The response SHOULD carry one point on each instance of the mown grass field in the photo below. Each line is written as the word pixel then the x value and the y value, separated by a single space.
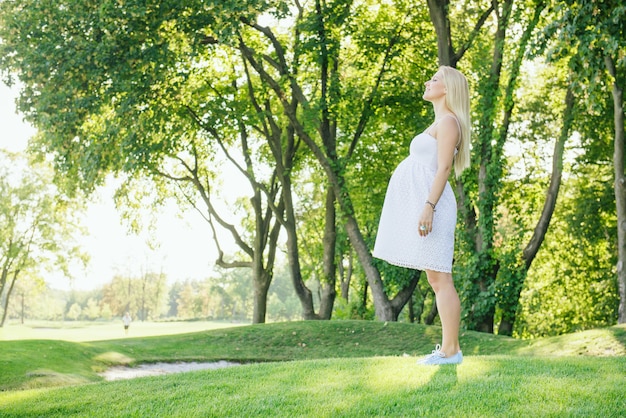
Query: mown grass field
pixel 94 331
pixel 320 369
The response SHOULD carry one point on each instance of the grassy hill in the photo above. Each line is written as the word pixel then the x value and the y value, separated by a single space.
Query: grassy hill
pixel 320 368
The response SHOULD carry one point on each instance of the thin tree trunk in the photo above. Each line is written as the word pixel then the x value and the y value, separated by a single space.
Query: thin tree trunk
pixel 404 295
pixel 419 305
pixel 620 186
pixel 552 194
pixel 328 132
pixel 430 318
pixel 3 279
pixel 364 295
pixel 293 254
pixel 327 297
pixel 8 297
pixel 345 275
pixel 411 309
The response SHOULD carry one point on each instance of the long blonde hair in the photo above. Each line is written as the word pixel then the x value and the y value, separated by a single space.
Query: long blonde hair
pixel 458 101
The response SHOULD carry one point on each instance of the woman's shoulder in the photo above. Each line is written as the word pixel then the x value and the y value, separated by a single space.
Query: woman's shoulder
pixel 449 120
pixel 448 126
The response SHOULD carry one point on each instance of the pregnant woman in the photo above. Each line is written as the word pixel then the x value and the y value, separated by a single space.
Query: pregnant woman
pixel 418 219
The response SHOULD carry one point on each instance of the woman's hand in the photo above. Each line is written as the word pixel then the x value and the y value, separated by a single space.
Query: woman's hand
pixel 425 223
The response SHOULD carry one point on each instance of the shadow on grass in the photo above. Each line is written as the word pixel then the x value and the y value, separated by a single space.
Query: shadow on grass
pixel 446 377
pixel 619 332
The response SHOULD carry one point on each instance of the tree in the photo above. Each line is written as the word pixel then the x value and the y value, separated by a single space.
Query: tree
pixel 26 291
pixel 74 312
pixel 37 225
pixel 151 291
pixel 92 310
pixel 572 286
pixel 133 72
pixel 516 265
pixel 143 296
pixel 596 32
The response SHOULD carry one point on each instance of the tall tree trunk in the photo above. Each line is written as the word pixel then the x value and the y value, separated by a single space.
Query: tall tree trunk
pixel 4 274
pixel 489 181
pixel 438 10
pixel 529 253
pixel 620 185
pixel 364 295
pixel 329 264
pixel 447 55
pixel 293 253
pixel 264 257
pixel 262 281
pixel 345 274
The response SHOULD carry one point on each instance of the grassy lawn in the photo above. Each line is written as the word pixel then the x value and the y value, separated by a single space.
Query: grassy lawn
pixel 320 368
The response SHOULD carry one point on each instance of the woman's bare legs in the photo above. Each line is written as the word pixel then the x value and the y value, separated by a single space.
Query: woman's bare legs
pixel 449 308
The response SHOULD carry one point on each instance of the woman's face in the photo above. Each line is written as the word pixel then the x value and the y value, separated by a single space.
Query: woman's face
pixel 435 88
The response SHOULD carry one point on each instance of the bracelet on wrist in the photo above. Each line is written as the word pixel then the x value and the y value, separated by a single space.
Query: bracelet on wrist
pixel 432 205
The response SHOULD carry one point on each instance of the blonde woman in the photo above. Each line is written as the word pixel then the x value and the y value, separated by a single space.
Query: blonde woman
pixel 418 219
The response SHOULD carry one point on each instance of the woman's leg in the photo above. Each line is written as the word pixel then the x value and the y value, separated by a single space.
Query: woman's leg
pixel 449 308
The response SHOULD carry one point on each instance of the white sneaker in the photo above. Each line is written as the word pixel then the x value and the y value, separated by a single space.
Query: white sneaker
pixel 438 357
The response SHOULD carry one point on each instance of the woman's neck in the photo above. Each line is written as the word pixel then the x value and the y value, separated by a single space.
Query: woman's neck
pixel 441 109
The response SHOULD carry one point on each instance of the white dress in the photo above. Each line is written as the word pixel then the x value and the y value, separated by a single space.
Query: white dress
pixel 398 241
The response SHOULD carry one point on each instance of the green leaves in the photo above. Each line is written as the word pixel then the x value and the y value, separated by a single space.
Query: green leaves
pixel 38 225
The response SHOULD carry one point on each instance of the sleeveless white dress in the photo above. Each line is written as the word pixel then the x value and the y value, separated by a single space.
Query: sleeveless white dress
pixel 398 241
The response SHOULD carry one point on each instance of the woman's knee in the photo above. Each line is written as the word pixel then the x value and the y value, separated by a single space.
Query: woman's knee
pixel 437 279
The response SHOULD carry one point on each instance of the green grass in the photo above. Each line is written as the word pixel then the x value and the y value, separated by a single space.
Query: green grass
pixel 94 331
pixel 320 368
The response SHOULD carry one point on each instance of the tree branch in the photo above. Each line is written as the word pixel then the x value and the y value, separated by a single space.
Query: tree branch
pixel 529 253
pixel 367 104
pixel 473 34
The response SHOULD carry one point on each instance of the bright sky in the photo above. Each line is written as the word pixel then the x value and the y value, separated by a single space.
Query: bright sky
pixel 186 250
